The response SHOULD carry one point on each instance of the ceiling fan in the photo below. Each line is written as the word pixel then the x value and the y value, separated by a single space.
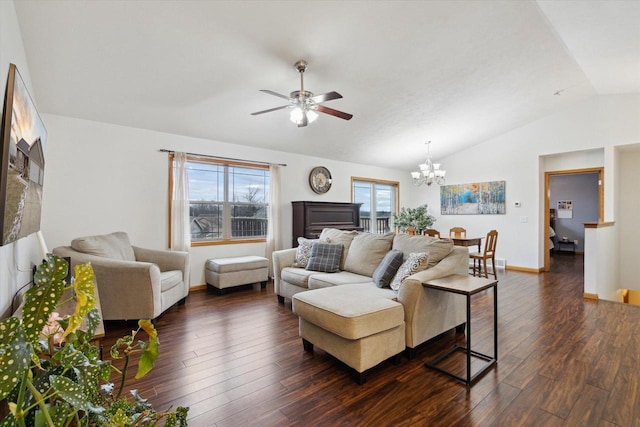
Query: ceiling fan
pixel 304 104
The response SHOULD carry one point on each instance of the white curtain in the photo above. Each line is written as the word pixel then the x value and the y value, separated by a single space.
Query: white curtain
pixel 180 232
pixel 274 232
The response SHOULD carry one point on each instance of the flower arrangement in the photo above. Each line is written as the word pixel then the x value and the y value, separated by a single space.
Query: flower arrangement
pixel 51 373
pixel 417 218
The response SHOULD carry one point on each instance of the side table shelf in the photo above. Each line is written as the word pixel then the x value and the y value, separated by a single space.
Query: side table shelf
pixel 566 246
pixel 468 286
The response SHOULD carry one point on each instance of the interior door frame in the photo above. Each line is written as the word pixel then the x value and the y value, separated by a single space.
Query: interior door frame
pixel 547 203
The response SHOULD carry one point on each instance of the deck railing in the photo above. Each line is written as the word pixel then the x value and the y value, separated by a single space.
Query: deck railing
pixel 381 226
pixel 208 227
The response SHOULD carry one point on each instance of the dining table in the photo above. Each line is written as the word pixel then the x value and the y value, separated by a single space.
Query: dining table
pixel 467 241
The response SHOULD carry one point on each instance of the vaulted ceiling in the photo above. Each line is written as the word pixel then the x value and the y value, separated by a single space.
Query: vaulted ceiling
pixel 453 72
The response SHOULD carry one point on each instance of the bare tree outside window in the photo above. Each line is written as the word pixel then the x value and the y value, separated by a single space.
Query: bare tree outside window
pixel 227 201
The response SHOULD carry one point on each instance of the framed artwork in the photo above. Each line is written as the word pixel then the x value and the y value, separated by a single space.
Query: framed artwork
pixel 477 198
pixel 22 162
pixel 565 209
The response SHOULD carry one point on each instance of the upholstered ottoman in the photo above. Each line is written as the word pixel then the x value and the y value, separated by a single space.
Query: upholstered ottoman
pixel 359 324
pixel 224 273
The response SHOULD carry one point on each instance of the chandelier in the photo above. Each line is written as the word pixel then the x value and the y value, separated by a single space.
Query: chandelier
pixel 429 172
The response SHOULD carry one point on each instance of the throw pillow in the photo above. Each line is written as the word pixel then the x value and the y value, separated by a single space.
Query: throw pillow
pixel 387 269
pixel 114 245
pixel 436 248
pixel 325 257
pixel 366 252
pixel 416 261
pixel 344 237
pixel 303 251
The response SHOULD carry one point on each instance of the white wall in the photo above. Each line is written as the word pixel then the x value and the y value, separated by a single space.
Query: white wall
pixel 102 178
pixel 17 259
pixel 629 218
pixel 518 158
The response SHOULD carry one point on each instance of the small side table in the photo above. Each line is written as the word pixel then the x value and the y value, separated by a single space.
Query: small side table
pixel 564 244
pixel 468 286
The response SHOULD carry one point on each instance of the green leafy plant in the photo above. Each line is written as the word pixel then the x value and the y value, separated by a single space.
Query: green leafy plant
pixel 418 218
pixel 50 372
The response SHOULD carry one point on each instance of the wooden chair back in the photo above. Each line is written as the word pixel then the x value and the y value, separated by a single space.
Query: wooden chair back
pixel 432 232
pixel 458 232
pixel 411 230
pixel 490 244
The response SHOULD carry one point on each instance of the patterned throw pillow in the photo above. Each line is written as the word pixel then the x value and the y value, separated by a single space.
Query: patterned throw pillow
pixel 387 269
pixel 303 251
pixel 416 261
pixel 325 257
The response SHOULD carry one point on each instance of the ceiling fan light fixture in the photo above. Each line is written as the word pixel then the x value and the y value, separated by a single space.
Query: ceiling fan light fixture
pixel 311 116
pixel 296 115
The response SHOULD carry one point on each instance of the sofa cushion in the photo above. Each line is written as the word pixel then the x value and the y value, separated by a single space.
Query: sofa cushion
pixel 333 235
pixel 296 276
pixel 350 311
pixel 366 252
pixel 416 261
pixel 387 268
pixel 436 248
pixel 325 280
pixel 325 257
pixel 170 279
pixel 303 251
pixel 114 246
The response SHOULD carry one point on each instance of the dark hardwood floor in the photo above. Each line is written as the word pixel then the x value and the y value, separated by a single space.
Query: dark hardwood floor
pixel 237 360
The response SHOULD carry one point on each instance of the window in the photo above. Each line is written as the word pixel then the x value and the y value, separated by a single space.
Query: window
pixel 379 202
pixel 227 201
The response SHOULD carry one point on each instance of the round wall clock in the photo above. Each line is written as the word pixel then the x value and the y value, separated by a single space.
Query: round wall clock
pixel 320 179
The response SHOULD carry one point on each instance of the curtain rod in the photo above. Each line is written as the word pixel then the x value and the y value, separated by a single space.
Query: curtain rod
pixel 164 150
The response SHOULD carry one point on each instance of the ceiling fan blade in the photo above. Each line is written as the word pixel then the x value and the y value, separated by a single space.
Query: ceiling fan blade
pixel 270 92
pixel 334 113
pixel 270 110
pixel 325 97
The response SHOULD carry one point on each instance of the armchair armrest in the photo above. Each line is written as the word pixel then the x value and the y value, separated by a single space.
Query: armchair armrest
pixel 166 260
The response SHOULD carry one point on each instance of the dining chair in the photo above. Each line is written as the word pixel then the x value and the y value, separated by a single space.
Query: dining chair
pixel 411 230
pixel 432 232
pixel 480 258
pixel 458 232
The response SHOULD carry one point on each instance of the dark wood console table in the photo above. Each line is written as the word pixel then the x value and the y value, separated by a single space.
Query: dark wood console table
pixel 309 218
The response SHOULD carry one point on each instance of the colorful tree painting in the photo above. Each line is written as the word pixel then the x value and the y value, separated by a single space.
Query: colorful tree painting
pixel 478 198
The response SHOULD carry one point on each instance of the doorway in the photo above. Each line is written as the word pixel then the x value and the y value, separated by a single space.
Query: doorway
pixel 563 209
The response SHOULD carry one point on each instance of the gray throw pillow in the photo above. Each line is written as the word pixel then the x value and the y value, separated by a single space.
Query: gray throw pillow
pixel 387 268
pixel 325 257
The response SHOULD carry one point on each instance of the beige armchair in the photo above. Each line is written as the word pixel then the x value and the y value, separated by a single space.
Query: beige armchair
pixel 133 283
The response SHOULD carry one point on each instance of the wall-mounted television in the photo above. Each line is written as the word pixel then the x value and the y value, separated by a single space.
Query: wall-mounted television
pixel 24 139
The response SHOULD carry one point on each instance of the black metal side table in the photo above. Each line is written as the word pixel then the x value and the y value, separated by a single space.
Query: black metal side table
pixel 468 286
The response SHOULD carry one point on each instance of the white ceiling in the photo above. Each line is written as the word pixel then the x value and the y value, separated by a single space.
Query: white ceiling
pixel 454 72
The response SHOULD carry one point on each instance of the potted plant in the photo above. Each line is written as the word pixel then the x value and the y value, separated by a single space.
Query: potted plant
pixel 418 218
pixel 51 373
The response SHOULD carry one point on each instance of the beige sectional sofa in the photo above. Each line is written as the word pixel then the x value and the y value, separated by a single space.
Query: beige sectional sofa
pixel 427 312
